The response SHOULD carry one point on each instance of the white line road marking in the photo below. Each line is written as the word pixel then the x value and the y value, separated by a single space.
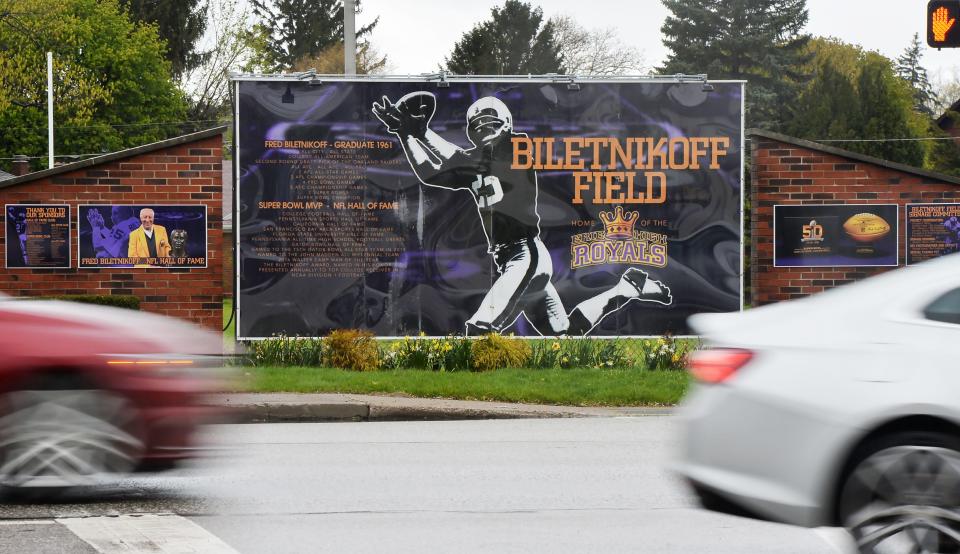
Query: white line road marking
pixel 838 538
pixel 163 533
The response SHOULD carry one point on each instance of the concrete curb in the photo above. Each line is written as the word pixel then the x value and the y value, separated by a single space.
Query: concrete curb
pixel 292 407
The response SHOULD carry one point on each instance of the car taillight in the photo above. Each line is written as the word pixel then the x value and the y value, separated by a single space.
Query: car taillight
pixel 716 365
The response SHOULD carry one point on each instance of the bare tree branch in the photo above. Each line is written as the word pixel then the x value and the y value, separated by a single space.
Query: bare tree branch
pixel 208 85
pixel 595 51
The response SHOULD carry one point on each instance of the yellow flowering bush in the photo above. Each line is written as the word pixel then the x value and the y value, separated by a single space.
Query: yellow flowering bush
pixel 352 349
pixel 493 351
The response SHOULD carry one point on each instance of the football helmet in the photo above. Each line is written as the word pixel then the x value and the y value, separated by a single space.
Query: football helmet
pixel 488 119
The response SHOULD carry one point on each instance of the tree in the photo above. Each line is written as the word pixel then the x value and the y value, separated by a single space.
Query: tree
pixel 515 40
pixel 330 61
pixel 909 69
pixel 854 96
pixel 946 86
pixel 594 51
pixel 828 108
pixel 112 85
pixel 208 85
pixel 886 111
pixel 760 41
pixel 295 30
pixel 180 24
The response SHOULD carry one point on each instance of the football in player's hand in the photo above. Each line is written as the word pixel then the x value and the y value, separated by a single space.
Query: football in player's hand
pixel 410 114
pixel 418 104
pixel 866 227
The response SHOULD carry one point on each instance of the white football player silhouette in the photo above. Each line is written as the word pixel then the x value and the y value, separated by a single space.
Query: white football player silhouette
pixel 506 200
pixel 111 242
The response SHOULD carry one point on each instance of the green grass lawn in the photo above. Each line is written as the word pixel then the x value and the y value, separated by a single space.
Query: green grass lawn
pixel 574 387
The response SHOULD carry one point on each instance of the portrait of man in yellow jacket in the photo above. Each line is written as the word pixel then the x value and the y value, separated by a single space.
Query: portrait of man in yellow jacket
pixel 148 240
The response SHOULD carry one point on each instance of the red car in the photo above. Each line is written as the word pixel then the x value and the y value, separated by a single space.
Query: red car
pixel 88 392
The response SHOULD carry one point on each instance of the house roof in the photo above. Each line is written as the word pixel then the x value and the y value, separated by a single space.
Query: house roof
pixel 945 121
pixel 852 155
pixel 5 176
pixel 113 156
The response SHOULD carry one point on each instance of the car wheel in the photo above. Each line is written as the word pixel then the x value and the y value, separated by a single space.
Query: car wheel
pixel 903 495
pixel 59 437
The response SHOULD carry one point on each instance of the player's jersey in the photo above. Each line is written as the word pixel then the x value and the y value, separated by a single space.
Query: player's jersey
pixel 112 243
pixel 506 198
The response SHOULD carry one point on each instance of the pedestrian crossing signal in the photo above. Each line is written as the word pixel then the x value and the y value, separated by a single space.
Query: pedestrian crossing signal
pixel 943 29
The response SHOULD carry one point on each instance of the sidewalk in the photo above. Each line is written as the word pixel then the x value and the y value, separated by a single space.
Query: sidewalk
pixel 290 407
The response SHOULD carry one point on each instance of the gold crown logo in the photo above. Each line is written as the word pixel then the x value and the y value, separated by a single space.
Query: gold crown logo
pixel 618 224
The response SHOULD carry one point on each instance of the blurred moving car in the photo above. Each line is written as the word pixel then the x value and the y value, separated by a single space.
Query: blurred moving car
pixel 89 392
pixel 842 408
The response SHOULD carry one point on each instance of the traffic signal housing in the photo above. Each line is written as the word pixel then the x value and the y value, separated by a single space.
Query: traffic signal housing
pixel 943 23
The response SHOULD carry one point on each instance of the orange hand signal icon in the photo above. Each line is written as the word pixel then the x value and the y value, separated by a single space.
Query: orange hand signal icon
pixel 941 24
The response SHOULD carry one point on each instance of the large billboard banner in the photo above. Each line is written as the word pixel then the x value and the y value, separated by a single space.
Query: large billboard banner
pixel 517 206
pixel 835 235
pixel 134 235
pixel 38 235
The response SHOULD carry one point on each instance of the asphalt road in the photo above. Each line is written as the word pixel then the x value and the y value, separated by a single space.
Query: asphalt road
pixel 552 485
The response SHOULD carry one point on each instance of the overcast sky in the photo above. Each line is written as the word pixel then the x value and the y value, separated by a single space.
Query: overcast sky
pixel 416 35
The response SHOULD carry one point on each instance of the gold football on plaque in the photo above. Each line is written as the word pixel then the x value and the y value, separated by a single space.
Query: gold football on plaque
pixel 866 227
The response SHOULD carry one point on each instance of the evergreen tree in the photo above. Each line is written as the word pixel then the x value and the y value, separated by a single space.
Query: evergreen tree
pixel 760 41
pixel 828 108
pixel 515 40
pixel 180 24
pixel 294 30
pixel 909 69
pixel 886 112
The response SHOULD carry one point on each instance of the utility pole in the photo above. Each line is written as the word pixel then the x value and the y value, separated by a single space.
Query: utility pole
pixel 50 109
pixel 349 37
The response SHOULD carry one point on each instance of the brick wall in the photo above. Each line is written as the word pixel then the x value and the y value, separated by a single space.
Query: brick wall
pixel 792 171
pixel 178 171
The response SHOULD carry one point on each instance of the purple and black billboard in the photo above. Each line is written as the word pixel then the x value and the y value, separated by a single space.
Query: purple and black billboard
pixel 512 206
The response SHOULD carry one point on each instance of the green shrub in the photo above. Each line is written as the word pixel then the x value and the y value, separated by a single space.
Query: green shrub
pixel 352 349
pixel 116 300
pixel 457 354
pixel 545 353
pixel 286 351
pixel 581 352
pixel 493 351
pixel 442 354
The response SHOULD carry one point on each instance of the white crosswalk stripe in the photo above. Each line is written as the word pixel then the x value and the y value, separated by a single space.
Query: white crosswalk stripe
pixel 156 533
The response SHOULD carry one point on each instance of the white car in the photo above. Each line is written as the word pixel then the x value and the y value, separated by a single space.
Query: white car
pixel 842 408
